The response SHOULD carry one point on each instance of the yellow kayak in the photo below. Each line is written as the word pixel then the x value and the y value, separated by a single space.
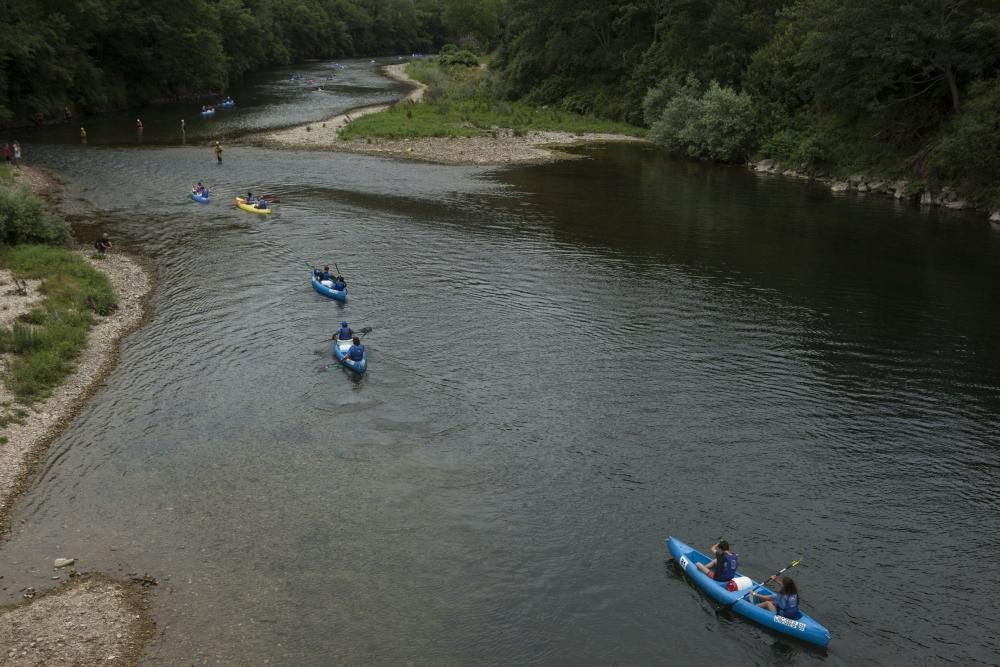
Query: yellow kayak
pixel 242 203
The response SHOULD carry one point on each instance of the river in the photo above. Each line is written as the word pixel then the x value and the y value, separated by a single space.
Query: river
pixel 568 362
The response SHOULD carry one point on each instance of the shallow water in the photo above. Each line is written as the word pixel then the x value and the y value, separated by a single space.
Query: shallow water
pixel 569 362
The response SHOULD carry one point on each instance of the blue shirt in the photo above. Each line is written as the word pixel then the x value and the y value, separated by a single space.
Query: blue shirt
pixel 357 352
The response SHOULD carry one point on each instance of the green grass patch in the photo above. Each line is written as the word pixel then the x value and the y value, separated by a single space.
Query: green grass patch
pixel 462 102
pixel 48 340
pixel 6 175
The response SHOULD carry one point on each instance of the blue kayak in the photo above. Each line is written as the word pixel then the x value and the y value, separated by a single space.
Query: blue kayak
pixel 802 628
pixel 339 295
pixel 340 350
pixel 227 104
pixel 201 199
pixel 208 112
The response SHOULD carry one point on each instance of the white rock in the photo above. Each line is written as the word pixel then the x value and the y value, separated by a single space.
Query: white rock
pixel 63 562
pixel 926 199
pixel 957 204
pixel 840 186
pixel 995 215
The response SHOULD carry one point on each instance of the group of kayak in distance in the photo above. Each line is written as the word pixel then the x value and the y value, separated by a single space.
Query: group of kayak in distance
pixel 262 204
pixel 226 103
pixel 718 576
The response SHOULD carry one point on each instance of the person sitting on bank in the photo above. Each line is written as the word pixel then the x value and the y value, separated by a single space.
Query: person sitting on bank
pixel 344 332
pixel 357 351
pixel 784 603
pixel 723 567
pixel 339 284
pixel 102 245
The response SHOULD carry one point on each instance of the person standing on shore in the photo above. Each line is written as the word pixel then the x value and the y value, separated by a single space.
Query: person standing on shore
pixel 83 136
pixel 218 152
pixel 6 153
pixel 17 154
pixel 138 124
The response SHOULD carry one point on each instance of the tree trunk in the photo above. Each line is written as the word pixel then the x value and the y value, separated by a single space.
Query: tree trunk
pixel 949 74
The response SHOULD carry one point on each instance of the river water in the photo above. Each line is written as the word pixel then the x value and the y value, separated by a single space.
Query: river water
pixel 568 362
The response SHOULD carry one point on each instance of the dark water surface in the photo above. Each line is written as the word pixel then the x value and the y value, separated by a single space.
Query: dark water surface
pixel 568 363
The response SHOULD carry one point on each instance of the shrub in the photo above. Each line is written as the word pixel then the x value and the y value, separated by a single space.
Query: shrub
pixel 23 219
pixel 459 57
pixel 719 124
pixel 969 150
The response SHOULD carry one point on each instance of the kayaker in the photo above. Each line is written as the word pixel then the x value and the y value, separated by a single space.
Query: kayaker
pixel 262 203
pixel 723 567
pixel 357 351
pixel 218 152
pixel 102 245
pixel 249 199
pixel 324 275
pixel 345 332
pixel 784 603
pixel 339 284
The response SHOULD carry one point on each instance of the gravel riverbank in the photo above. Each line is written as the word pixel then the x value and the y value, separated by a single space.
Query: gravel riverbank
pixel 496 148
pixel 90 619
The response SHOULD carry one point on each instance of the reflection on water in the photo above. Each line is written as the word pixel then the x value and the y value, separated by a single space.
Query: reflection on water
pixel 568 362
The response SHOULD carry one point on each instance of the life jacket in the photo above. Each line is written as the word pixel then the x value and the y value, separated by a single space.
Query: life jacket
pixel 788 605
pixel 340 286
pixel 345 333
pixel 324 275
pixel 725 566
pixel 357 352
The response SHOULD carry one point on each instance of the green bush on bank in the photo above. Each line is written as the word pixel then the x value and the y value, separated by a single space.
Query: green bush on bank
pixel 24 219
pixel 463 102
pixel 46 342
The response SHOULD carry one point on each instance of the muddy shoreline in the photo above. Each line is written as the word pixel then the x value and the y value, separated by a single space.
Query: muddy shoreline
pixel 90 618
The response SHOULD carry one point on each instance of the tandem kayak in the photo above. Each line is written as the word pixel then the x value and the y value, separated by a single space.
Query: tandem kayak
pixel 242 203
pixel 208 112
pixel 340 349
pixel 802 628
pixel 201 199
pixel 339 295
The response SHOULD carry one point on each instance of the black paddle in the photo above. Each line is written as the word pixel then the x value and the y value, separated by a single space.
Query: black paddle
pixel 773 577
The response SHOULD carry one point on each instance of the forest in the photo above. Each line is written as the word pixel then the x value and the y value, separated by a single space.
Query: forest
pixel 834 86
pixel 898 88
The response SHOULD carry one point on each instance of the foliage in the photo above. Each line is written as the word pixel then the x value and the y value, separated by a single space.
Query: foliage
pixel 968 154
pixel 715 123
pixel 459 57
pixel 93 55
pixel 463 102
pixel 46 345
pixel 24 219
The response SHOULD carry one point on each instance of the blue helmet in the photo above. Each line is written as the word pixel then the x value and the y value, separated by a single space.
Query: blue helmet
pixel 343 324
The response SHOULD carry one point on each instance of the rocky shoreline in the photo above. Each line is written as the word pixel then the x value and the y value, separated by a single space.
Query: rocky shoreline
pixel 91 618
pixel 497 147
pixel 945 196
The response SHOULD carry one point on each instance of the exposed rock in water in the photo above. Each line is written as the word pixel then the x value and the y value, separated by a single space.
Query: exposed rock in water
pixel 63 562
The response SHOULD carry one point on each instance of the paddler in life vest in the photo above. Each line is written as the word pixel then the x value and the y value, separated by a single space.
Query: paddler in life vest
pixel 344 332
pixel 323 275
pixel 339 284
pixel 784 603
pixel 357 351
pixel 723 567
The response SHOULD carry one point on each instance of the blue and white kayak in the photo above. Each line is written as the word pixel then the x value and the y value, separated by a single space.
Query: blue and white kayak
pixel 227 104
pixel 340 350
pixel 201 199
pixel 802 628
pixel 330 293
pixel 208 112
